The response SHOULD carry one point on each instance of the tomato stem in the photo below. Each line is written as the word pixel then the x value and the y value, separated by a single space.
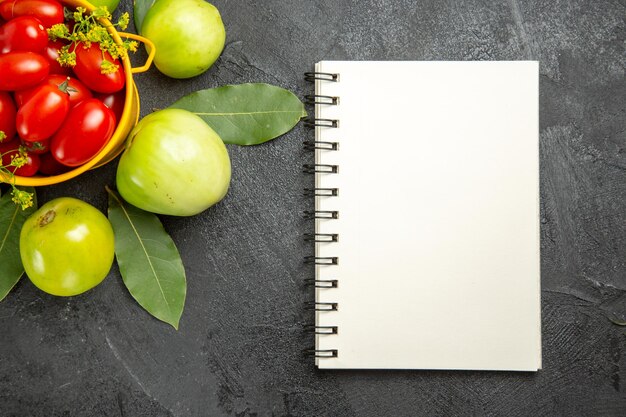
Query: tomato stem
pixel 65 86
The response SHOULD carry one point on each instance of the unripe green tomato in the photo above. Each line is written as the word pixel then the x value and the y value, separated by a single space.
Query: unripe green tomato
pixel 188 35
pixel 110 4
pixel 174 164
pixel 66 247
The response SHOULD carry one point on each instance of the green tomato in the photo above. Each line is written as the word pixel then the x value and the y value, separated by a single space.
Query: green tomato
pixel 188 36
pixel 110 4
pixel 174 164
pixel 66 247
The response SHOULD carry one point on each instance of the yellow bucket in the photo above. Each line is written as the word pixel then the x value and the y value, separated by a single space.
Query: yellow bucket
pixel 129 118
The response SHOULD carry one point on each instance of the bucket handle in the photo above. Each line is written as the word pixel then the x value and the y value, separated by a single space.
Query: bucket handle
pixel 150 47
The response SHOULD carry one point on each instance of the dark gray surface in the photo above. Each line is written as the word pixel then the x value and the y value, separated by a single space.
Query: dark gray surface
pixel 238 350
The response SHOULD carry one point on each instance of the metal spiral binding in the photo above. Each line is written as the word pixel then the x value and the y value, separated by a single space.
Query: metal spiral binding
pixel 317 306
pixel 321 192
pixel 320 214
pixel 311 145
pixel 324 76
pixel 321 353
pixel 321 260
pixel 322 168
pixel 315 122
pixel 321 283
pixel 321 329
pixel 318 99
pixel 321 238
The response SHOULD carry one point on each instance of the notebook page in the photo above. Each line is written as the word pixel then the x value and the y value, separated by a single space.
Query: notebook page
pixel 438 201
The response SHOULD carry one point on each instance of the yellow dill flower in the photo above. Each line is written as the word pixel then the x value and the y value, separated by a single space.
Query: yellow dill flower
pixel 58 31
pixel 107 67
pixel 88 30
pixel 98 34
pixel 78 14
pixel 131 45
pixel 20 160
pixel 66 58
pixel 123 21
pixel 101 12
pixel 22 198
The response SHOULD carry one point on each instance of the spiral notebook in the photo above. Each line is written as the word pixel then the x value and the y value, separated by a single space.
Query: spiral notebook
pixel 426 215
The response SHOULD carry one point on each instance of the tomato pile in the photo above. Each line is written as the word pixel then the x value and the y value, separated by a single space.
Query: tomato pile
pixel 61 90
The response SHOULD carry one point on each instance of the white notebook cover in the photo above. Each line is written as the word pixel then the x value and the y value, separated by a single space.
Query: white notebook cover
pixel 438 225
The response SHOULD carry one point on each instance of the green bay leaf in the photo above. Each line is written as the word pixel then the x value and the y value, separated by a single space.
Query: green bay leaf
pixel 12 217
pixel 246 114
pixel 140 9
pixel 149 261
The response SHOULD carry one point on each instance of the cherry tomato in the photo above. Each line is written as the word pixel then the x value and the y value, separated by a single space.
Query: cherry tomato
pixel 13 140
pixel 77 90
pixel 39 147
pixel 51 53
pixel 6 9
pixel 50 166
pixel 6 147
pixel 49 12
pixel 20 70
pixel 7 116
pixel 114 101
pixel 24 33
pixel 10 150
pixel 43 114
pixel 85 131
pixel 87 69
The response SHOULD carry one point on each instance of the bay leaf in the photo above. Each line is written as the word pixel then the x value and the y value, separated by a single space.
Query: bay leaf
pixel 140 9
pixel 245 114
pixel 149 261
pixel 12 217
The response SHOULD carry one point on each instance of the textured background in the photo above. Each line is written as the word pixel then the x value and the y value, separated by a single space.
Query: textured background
pixel 238 350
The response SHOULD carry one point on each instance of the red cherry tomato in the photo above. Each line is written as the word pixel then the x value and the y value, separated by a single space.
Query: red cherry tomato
pixel 85 131
pixel 11 150
pixel 114 101
pixel 77 90
pixel 51 53
pixel 13 140
pixel 20 70
pixel 39 147
pixel 50 166
pixel 49 12
pixel 6 9
pixel 88 70
pixel 7 116
pixel 43 114
pixel 24 33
